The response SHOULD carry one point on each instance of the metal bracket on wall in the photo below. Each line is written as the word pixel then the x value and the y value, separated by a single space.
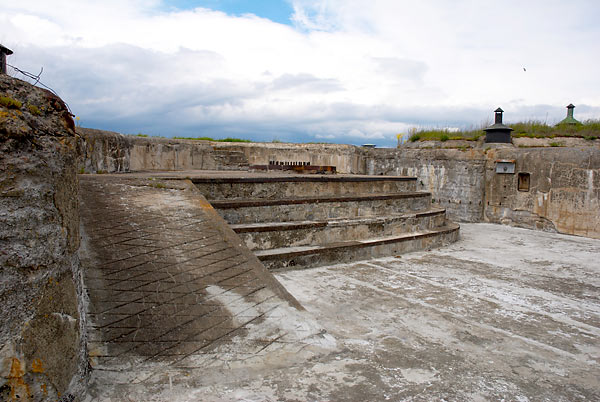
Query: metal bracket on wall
pixel 505 166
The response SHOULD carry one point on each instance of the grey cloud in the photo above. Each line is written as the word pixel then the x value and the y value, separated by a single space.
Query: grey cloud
pixel 124 80
pixel 129 89
pixel 306 83
pixel 341 123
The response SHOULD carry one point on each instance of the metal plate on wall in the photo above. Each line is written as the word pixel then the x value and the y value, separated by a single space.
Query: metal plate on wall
pixel 505 167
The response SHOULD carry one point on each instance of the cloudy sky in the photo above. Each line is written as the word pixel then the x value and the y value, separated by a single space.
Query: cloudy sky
pixel 344 71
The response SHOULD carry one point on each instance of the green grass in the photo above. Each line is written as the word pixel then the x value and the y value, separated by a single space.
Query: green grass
pixel 589 129
pixel 445 135
pixel 194 138
pixel 212 139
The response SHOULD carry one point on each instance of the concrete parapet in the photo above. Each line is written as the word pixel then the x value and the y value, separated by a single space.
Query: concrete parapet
pixel 43 348
pixel 108 152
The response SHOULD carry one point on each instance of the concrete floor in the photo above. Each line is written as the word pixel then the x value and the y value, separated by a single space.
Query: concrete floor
pixel 503 314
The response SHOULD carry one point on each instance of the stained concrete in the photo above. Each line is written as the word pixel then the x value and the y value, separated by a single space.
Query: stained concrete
pixel 173 294
pixel 503 314
pixel 41 343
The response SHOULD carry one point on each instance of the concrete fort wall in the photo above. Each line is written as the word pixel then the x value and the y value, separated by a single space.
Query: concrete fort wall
pixel 455 178
pixel 551 189
pixel 563 193
pixel 42 341
pixel 105 151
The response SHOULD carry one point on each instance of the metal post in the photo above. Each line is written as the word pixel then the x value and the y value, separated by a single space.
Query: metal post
pixel 4 51
pixel 570 110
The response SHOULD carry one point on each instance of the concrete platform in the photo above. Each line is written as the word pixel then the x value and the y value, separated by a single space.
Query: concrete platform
pixel 503 314
pixel 171 288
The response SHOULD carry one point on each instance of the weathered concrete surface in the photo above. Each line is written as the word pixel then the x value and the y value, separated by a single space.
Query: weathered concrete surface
pixel 263 236
pixel 307 221
pixel 563 193
pixel 285 185
pixel 455 178
pixel 113 152
pixel 320 208
pixel 359 249
pixel 41 344
pixel 572 142
pixel 457 173
pixel 174 296
pixel 503 314
pixel 107 151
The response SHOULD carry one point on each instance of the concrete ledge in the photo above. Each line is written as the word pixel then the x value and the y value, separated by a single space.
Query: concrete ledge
pixel 320 208
pixel 279 186
pixel 271 179
pixel 269 235
pixel 227 204
pixel 278 226
pixel 312 256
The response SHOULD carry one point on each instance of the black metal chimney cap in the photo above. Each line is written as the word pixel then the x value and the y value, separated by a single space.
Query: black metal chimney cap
pixel 5 50
pixel 571 106
pixel 498 125
pixel 498 132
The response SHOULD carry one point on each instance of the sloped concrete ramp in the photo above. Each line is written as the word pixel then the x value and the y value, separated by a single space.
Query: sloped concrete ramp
pixel 173 293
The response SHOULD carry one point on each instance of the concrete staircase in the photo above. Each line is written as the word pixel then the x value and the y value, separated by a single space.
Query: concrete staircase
pixel 307 221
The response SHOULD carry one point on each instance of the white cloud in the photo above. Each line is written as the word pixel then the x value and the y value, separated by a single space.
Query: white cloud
pixel 347 69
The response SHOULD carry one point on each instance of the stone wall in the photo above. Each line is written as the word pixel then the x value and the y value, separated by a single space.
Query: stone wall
pixel 42 355
pixel 563 191
pixel 344 157
pixel 564 183
pixel 106 151
pixel 455 178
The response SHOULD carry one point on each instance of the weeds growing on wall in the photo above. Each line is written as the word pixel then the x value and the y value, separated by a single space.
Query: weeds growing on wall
pixel 10 103
pixel 589 129
pixel 445 135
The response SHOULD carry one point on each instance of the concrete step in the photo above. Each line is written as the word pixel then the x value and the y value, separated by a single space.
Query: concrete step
pixel 268 235
pixel 228 188
pixel 340 252
pixel 320 207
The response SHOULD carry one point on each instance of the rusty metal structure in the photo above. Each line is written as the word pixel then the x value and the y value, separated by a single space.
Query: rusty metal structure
pixel 297 167
pixel 4 51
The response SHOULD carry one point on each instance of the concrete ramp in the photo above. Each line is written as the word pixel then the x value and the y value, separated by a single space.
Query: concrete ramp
pixel 173 291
